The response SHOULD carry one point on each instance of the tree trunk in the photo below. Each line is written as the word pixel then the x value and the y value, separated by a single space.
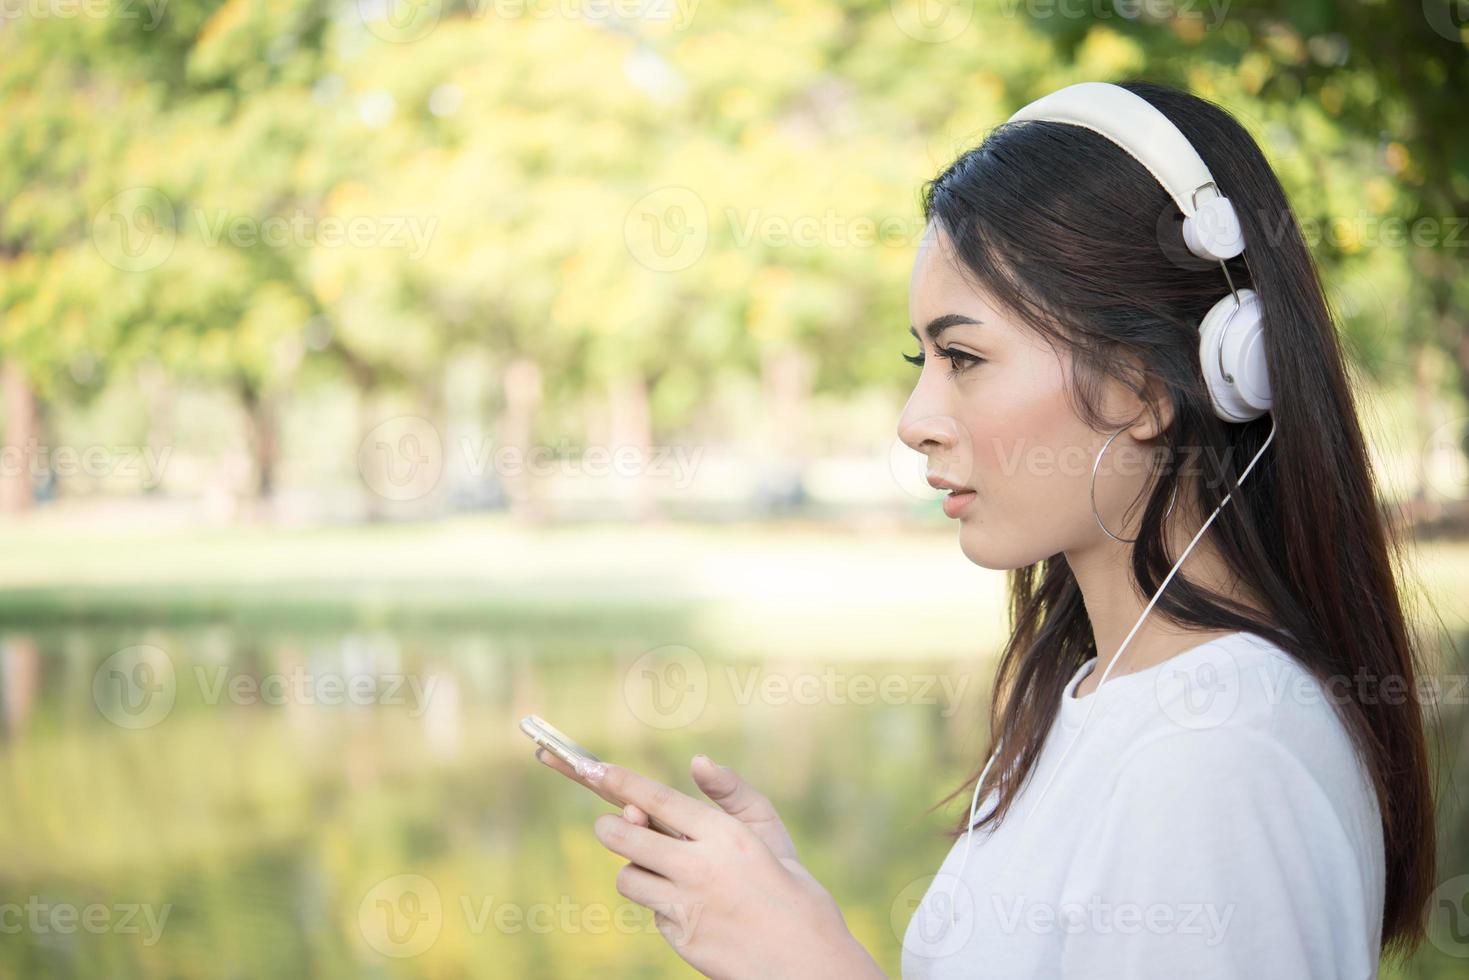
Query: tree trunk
pixel 522 381
pixel 16 487
pixel 786 377
pixel 368 463
pixel 260 417
pixel 630 447
pixel 153 380
pixel 1423 506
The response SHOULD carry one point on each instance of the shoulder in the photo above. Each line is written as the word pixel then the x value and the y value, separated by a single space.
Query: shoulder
pixel 1241 786
pixel 1239 726
pixel 1252 696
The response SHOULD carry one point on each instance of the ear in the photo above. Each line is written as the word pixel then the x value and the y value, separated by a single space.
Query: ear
pixel 1154 412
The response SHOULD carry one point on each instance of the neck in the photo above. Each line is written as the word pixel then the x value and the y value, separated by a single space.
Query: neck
pixel 1113 601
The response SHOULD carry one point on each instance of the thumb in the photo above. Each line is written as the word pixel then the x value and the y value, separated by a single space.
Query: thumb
pixel 734 796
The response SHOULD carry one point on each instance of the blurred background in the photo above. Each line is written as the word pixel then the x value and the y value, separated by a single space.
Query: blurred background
pixel 375 373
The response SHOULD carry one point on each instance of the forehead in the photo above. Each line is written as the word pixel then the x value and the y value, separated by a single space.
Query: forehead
pixel 939 283
pixel 942 284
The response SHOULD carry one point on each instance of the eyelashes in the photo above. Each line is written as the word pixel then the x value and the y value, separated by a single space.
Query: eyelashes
pixel 958 359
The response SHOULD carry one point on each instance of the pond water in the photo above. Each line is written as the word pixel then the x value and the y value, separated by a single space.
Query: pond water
pixel 222 800
pixel 238 800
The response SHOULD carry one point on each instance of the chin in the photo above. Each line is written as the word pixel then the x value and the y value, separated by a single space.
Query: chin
pixel 981 545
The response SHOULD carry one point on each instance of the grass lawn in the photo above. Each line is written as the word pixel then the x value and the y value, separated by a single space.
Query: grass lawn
pixel 825 589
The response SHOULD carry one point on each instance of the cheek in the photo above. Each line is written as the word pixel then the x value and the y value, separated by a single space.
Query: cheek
pixel 1030 464
pixel 1025 434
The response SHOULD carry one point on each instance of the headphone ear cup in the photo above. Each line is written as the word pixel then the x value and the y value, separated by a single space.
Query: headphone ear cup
pixel 1232 355
pixel 1214 232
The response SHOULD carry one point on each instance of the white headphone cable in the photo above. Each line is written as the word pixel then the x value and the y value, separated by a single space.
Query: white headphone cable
pixel 974 800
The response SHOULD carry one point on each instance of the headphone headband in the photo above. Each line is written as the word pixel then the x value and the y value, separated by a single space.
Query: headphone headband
pixel 1211 227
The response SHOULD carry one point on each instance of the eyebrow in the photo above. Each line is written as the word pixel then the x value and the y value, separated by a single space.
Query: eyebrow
pixel 939 324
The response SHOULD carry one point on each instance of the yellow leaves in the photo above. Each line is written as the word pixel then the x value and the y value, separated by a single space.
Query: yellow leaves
pixel 1201 80
pixel 546 62
pixel 739 104
pixel 1398 158
pixel 226 19
pixel 770 299
pixel 1332 98
pixel 987 88
pixel 1380 194
pixel 275 312
pixel 1285 44
pixel 1255 69
pixel 1106 54
pixel 715 50
pixel 575 304
pixel 1189 29
pixel 214 349
pixel 235 38
pixel 1348 235
pixel 349 196
pixel 728 272
pixel 328 284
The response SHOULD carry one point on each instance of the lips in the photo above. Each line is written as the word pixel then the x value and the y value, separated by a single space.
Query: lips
pixel 959 498
pixel 938 483
pixel 957 501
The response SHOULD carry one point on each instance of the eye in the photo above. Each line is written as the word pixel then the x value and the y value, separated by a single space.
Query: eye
pixel 959 359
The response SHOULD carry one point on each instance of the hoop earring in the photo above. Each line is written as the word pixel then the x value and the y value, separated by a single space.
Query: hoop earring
pixel 1092 492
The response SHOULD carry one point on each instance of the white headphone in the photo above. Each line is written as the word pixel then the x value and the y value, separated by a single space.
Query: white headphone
pixel 1232 333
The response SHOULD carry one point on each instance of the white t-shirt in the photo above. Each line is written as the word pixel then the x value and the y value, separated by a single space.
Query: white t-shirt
pixel 1213 820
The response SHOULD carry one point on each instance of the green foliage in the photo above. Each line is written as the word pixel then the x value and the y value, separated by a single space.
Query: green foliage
pixel 668 197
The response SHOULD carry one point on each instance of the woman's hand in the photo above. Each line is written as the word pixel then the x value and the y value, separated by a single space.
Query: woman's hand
pixel 731 898
pixel 722 785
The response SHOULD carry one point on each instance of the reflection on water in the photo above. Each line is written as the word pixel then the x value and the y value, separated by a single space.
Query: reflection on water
pixel 224 802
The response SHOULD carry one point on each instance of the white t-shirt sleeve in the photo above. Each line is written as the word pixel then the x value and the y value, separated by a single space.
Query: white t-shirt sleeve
pixel 1216 855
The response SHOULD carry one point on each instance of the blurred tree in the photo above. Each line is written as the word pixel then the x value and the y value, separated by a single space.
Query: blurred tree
pixel 649 212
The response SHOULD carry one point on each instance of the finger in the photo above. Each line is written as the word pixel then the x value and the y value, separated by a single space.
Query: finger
pixel 553 761
pixel 733 795
pixel 672 808
pixel 654 851
pixel 632 814
pixel 640 885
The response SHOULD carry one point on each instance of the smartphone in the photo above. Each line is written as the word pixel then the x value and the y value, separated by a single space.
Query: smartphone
pixel 550 738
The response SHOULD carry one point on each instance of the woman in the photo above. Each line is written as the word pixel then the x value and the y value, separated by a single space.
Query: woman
pixel 1240 787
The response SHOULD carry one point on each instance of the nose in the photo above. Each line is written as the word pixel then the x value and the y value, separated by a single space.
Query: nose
pixel 926 425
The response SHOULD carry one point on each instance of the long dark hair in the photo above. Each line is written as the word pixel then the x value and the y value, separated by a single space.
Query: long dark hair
pixel 1073 235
